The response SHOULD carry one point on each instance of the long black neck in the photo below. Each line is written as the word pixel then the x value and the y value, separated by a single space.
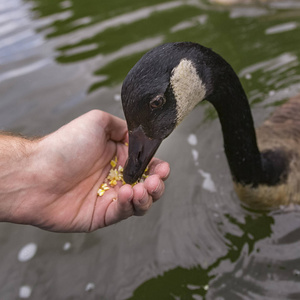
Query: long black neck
pixel 247 164
pixel 240 144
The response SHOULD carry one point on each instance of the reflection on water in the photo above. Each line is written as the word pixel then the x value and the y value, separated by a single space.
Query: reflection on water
pixel 59 59
pixel 196 281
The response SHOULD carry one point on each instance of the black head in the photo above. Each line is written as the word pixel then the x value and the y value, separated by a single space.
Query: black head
pixel 155 98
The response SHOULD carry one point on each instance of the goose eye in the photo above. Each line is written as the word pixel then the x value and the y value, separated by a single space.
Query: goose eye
pixel 157 102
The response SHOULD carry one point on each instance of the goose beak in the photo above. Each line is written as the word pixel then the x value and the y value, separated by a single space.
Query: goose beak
pixel 141 150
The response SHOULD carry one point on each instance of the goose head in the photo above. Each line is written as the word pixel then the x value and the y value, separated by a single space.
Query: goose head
pixel 158 92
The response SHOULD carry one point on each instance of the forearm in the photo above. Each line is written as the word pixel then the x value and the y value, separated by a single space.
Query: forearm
pixel 16 174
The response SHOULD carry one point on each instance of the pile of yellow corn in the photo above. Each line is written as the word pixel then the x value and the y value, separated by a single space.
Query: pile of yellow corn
pixel 114 176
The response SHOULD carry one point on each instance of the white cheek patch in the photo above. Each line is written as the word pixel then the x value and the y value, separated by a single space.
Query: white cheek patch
pixel 187 87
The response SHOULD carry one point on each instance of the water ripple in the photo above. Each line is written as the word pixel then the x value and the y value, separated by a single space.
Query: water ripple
pixel 282 28
pixel 24 70
pixel 271 64
pixel 123 19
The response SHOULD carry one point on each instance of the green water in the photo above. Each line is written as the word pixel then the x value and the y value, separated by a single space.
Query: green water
pixel 59 59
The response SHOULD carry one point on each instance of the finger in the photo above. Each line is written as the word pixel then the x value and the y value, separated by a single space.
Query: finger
pixel 121 208
pixel 154 186
pixel 160 168
pixel 115 128
pixel 142 201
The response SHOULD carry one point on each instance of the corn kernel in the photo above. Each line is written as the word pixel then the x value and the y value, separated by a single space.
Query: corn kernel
pixel 113 182
pixel 101 192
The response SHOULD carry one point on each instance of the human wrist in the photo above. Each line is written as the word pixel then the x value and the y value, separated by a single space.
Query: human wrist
pixel 17 176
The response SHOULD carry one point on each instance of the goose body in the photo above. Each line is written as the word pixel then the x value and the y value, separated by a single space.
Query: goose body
pixel 170 80
pixel 281 132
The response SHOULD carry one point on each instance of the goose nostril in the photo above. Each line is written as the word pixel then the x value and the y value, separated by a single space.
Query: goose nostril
pixel 138 158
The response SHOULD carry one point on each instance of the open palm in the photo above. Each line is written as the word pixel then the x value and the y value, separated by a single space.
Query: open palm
pixel 76 160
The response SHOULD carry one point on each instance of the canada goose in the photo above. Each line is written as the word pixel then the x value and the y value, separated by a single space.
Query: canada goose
pixel 167 83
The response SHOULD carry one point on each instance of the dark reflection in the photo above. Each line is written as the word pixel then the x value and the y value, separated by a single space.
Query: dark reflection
pixel 109 26
pixel 186 283
pixel 115 72
pixel 93 10
pixel 254 229
pixel 117 37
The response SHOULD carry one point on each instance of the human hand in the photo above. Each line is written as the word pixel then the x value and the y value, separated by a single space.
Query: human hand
pixel 68 168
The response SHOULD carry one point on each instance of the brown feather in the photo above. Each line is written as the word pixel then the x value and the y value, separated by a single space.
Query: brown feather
pixel 281 131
